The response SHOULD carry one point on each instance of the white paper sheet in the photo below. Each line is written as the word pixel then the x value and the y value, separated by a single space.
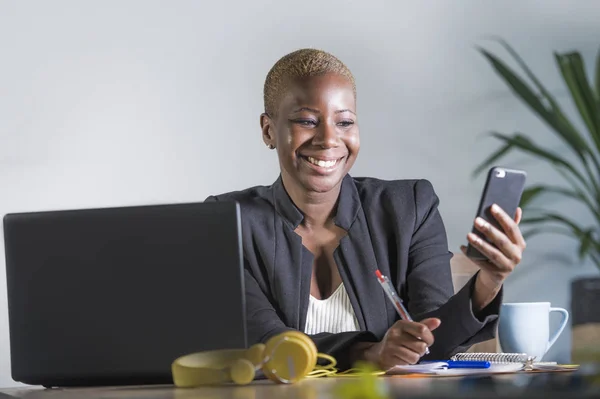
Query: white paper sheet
pixel 441 368
pixel 429 368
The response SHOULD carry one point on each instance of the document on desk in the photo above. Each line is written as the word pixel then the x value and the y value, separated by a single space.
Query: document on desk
pixel 423 368
pixel 441 368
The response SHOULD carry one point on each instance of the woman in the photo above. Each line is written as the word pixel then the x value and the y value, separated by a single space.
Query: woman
pixel 313 240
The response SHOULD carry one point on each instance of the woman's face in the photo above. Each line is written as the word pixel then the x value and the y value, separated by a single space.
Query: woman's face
pixel 315 132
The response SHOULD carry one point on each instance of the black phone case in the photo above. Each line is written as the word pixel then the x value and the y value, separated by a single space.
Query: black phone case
pixel 503 187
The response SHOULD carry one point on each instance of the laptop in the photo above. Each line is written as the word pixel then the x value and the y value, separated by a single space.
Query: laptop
pixel 112 296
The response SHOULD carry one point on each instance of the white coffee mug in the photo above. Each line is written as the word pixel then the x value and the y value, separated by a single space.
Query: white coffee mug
pixel 525 328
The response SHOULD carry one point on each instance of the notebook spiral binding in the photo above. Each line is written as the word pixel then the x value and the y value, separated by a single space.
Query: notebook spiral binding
pixel 493 357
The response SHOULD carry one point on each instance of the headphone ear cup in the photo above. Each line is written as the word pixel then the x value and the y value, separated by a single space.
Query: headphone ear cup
pixel 242 371
pixel 290 356
pixel 312 348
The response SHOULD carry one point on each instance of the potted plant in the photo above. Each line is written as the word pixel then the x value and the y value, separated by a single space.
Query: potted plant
pixel 581 177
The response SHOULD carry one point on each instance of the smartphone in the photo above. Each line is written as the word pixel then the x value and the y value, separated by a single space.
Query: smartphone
pixel 503 187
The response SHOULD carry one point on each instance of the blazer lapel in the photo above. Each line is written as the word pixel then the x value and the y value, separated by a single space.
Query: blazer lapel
pixel 364 291
pixel 292 273
pixel 292 261
pixel 357 262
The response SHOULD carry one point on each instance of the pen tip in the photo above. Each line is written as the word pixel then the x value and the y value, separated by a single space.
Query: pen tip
pixel 378 274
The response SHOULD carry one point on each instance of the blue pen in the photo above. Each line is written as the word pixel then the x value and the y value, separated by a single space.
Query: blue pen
pixel 468 364
pixel 462 364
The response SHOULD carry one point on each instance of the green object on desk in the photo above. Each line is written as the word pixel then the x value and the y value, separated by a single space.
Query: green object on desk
pixel 366 385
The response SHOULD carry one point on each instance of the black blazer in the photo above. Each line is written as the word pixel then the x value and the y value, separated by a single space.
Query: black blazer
pixel 394 226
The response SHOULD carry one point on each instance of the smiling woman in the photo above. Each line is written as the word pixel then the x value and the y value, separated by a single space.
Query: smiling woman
pixel 314 238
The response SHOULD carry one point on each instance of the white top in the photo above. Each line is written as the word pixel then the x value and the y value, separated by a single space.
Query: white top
pixel 334 314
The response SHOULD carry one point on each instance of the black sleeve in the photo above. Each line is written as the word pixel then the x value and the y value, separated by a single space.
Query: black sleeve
pixel 430 289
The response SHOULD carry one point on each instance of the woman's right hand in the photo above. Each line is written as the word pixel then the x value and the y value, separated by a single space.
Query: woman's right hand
pixel 404 343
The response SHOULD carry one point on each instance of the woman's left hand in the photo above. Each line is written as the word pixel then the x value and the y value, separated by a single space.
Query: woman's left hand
pixel 505 256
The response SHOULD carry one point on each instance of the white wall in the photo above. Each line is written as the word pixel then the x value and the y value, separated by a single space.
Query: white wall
pixel 135 102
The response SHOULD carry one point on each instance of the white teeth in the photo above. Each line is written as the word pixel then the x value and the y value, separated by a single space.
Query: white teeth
pixel 323 164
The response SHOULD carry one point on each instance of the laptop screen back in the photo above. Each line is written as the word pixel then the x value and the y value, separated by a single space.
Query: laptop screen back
pixel 113 296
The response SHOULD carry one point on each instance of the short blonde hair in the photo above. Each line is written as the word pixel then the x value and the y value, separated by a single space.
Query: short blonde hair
pixel 300 64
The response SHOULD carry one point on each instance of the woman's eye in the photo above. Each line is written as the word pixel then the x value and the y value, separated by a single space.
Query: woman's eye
pixel 305 122
pixel 346 123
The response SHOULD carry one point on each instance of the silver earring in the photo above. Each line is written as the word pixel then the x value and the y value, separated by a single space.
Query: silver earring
pixel 270 146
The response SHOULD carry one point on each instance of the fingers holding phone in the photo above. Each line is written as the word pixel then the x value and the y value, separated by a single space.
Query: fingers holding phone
pixel 496 243
pixel 503 248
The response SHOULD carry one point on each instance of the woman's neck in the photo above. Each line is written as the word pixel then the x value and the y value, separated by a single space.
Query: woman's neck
pixel 318 208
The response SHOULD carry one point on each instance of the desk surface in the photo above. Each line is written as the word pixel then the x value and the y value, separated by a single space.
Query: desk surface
pixel 542 385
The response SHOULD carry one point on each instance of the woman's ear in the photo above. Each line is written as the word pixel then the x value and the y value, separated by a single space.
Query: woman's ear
pixel 268 131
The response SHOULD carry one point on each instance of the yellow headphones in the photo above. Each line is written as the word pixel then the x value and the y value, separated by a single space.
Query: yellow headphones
pixel 285 358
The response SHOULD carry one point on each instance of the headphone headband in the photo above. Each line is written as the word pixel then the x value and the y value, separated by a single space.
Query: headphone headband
pixel 285 358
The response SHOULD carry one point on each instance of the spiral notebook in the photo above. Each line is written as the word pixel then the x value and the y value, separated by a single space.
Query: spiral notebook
pixel 500 363
pixel 495 358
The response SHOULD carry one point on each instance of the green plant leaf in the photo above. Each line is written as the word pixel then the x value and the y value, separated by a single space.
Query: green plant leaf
pixel 585 246
pixel 570 136
pixel 534 191
pixel 529 194
pixel 573 71
pixel 593 205
pixel 492 159
pixel 523 143
pixel 553 217
pixel 509 145
pixel 528 234
pixel 543 91
pixel 586 243
pixel 576 230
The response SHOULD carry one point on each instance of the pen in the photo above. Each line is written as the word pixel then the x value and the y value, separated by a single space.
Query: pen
pixel 468 364
pixel 394 298
pixel 461 364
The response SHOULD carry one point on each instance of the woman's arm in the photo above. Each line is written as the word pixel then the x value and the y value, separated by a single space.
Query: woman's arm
pixel 430 289
pixel 445 322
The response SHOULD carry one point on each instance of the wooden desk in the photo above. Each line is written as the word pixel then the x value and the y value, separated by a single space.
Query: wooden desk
pixel 536 385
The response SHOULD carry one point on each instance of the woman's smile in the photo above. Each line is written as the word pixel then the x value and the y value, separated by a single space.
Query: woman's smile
pixel 322 165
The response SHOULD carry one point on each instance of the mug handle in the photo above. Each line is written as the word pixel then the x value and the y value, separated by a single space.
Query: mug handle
pixel 562 326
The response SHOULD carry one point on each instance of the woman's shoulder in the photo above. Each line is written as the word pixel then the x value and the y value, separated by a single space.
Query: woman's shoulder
pixel 398 188
pixel 256 203
pixel 243 196
pixel 410 198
